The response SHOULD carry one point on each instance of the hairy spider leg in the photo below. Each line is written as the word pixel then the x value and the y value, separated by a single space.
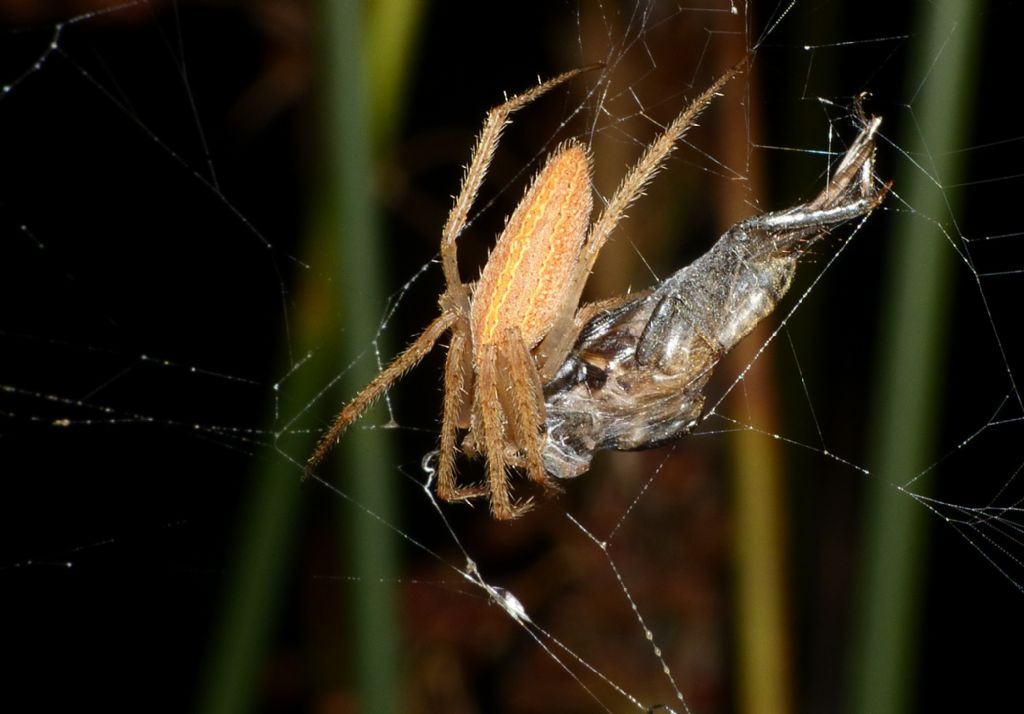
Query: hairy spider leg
pixel 455 393
pixel 528 407
pixel 362 401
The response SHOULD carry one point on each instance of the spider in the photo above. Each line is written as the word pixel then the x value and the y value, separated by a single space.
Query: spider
pixel 512 328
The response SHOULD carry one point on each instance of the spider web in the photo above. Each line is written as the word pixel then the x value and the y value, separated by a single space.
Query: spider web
pixel 158 371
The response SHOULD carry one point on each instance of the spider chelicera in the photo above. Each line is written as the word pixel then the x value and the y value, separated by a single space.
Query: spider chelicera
pixel 511 329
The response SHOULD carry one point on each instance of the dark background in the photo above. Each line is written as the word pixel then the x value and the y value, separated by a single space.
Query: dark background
pixel 116 531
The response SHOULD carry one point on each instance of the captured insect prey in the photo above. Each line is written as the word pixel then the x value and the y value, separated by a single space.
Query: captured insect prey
pixel 636 374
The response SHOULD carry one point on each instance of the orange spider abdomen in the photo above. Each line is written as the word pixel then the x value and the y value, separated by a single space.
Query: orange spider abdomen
pixel 524 283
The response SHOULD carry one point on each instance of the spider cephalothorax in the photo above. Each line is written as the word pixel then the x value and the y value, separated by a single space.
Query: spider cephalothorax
pixel 512 329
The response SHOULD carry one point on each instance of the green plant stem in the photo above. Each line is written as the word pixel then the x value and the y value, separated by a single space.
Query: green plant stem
pixel 907 393
pixel 344 241
pixel 361 85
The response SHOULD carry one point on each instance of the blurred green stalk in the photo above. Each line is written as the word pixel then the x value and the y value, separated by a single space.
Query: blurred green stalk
pixel 361 86
pixel 364 54
pixel 907 395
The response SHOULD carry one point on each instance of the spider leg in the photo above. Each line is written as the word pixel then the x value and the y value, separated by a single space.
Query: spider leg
pixel 362 401
pixel 489 410
pixel 495 122
pixel 559 340
pixel 637 178
pixel 454 396
pixel 528 407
